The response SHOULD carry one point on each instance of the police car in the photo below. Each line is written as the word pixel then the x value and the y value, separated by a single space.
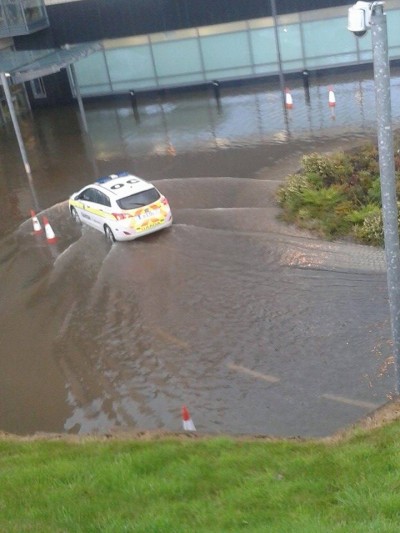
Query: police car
pixel 122 206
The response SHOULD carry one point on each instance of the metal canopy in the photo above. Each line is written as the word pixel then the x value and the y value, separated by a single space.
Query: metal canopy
pixel 21 66
pixel 26 65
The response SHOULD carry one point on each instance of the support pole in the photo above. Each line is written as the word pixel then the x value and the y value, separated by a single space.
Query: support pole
pixel 134 105
pixel 4 82
pixel 306 83
pixel 217 93
pixel 78 97
pixel 387 173
pixel 278 51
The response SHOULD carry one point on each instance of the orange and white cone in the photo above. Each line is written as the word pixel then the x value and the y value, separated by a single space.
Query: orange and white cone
pixel 187 422
pixel 37 228
pixel 288 99
pixel 331 97
pixel 50 236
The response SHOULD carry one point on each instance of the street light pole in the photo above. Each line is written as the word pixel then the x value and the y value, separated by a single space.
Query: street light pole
pixel 278 50
pixel 279 57
pixel 362 16
pixel 387 173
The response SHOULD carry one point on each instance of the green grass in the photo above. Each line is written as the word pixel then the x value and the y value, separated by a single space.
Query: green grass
pixel 202 485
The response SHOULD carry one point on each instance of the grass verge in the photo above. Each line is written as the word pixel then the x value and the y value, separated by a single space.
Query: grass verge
pixel 182 484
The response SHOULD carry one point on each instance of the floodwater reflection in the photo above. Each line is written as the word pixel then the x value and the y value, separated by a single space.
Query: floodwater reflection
pixel 257 327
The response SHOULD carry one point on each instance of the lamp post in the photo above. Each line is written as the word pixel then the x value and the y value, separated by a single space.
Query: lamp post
pixel 364 15
pixel 278 50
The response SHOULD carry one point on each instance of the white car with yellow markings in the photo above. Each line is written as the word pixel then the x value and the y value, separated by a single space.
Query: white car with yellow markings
pixel 122 206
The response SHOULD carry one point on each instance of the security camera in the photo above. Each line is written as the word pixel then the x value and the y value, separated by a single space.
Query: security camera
pixel 360 18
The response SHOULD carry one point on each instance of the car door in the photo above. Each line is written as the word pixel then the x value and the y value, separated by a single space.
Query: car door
pixel 96 207
pixel 102 212
pixel 87 207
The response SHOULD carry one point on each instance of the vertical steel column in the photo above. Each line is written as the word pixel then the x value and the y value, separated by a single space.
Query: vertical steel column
pixel 4 82
pixel 278 51
pixel 86 137
pixel 387 172
pixel 78 96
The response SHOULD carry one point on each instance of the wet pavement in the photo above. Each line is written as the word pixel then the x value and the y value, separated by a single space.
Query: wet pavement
pixel 259 328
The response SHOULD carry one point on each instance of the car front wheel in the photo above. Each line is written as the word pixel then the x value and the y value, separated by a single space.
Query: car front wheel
pixel 109 234
pixel 75 215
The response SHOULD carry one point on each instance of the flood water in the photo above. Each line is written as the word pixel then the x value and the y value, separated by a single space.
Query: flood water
pixel 257 327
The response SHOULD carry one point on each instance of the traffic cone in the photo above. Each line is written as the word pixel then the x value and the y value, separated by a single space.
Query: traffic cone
pixel 50 236
pixel 187 422
pixel 37 228
pixel 331 97
pixel 288 100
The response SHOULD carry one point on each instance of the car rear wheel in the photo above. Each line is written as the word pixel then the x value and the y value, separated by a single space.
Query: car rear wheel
pixel 109 234
pixel 75 215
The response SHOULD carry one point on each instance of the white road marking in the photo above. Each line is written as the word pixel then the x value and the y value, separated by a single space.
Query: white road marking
pixel 253 373
pixel 349 401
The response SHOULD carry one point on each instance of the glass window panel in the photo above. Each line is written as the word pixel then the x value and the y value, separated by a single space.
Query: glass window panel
pixel 13 12
pixel 293 65
pixel 366 56
pixel 395 51
pixel 266 69
pixel 290 42
pixel 363 43
pixel 177 57
pixel 324 38
pixel 393 25
pixel 128 85
pixel 263 45
pixel 33 10
pixel 229 73
pixel 38 88
pixel 184 80
pixel 129 63
pixel 229 50
pixel 95 89
pixel 92 70
pixel 325 61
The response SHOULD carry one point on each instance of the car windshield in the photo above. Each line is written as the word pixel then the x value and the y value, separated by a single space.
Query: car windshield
pixel 139 199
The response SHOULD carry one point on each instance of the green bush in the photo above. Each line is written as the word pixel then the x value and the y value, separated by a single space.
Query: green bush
pixel 366 158
pixel 357 216
pixel 336 168
pixel 371 230
pixel 338 195
pixel 374 192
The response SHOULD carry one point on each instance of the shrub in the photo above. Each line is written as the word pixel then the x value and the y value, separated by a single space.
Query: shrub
pixel 290 195
pixel 357 216
pixel 371 231
pixel 374 192
pixel 366 158
pixel 336 168
pixel 338 195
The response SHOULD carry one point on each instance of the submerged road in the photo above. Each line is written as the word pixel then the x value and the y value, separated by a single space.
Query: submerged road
pixel 257 327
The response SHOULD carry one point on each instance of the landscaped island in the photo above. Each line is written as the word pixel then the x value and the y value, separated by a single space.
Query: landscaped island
pixel 338 195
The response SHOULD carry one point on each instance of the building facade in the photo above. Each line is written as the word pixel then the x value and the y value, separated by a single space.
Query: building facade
pixel 160 44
